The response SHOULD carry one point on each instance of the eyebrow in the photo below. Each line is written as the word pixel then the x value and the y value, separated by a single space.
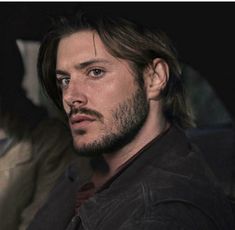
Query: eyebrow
pixel 83 65
pixel 90 62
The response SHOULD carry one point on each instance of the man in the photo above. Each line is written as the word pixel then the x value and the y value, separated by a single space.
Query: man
pixel 119 84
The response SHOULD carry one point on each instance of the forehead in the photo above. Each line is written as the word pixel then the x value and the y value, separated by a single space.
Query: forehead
pixel 85 47
pixel 85 44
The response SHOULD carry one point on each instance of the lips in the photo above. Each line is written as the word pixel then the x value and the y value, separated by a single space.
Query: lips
pixel 80 119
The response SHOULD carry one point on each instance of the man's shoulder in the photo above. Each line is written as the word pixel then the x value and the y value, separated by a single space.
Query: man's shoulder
pixel 59 208
pixel 174 174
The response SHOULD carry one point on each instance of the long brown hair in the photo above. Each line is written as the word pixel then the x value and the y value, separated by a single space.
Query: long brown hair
pixel 126 40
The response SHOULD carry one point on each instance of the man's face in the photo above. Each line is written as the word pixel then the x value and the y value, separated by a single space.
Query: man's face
pixel 105 105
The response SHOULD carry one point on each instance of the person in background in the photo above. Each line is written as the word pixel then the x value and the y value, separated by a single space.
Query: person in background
pixel 120 85
pixel 35 149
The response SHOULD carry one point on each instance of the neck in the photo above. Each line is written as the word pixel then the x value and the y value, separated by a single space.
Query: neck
pixel 151 129
pixel 115 160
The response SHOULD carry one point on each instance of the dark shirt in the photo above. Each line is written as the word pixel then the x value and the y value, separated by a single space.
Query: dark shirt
pixel 167 186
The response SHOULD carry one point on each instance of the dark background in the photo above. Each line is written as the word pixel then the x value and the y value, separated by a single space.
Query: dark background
pixel 202 32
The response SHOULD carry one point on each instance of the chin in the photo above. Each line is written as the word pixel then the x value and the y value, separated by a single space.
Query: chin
pixel 80 142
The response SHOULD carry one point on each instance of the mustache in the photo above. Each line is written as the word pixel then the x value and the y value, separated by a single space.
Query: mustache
pixel 85 111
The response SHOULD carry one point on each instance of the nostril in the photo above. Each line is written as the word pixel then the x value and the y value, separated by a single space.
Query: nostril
pixel 80 100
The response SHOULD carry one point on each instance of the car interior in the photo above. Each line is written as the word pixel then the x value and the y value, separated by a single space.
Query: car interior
pixel 204 47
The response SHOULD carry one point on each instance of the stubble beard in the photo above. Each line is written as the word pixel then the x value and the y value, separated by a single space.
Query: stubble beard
pixel 128 118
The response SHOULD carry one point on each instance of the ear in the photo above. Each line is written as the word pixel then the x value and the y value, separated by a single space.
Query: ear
pixel 156 77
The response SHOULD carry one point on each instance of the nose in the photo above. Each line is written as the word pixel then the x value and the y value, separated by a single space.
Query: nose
pixel 74 96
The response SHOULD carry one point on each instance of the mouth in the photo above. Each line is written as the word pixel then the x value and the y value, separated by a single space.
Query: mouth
pixel 80 121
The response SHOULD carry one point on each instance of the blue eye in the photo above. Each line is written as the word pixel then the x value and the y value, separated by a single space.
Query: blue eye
pixel 63 82
pixel 96 73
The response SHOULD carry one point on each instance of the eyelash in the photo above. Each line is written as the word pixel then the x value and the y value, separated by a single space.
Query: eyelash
pixel 61 78
pixel 60 82
pixel 99 75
